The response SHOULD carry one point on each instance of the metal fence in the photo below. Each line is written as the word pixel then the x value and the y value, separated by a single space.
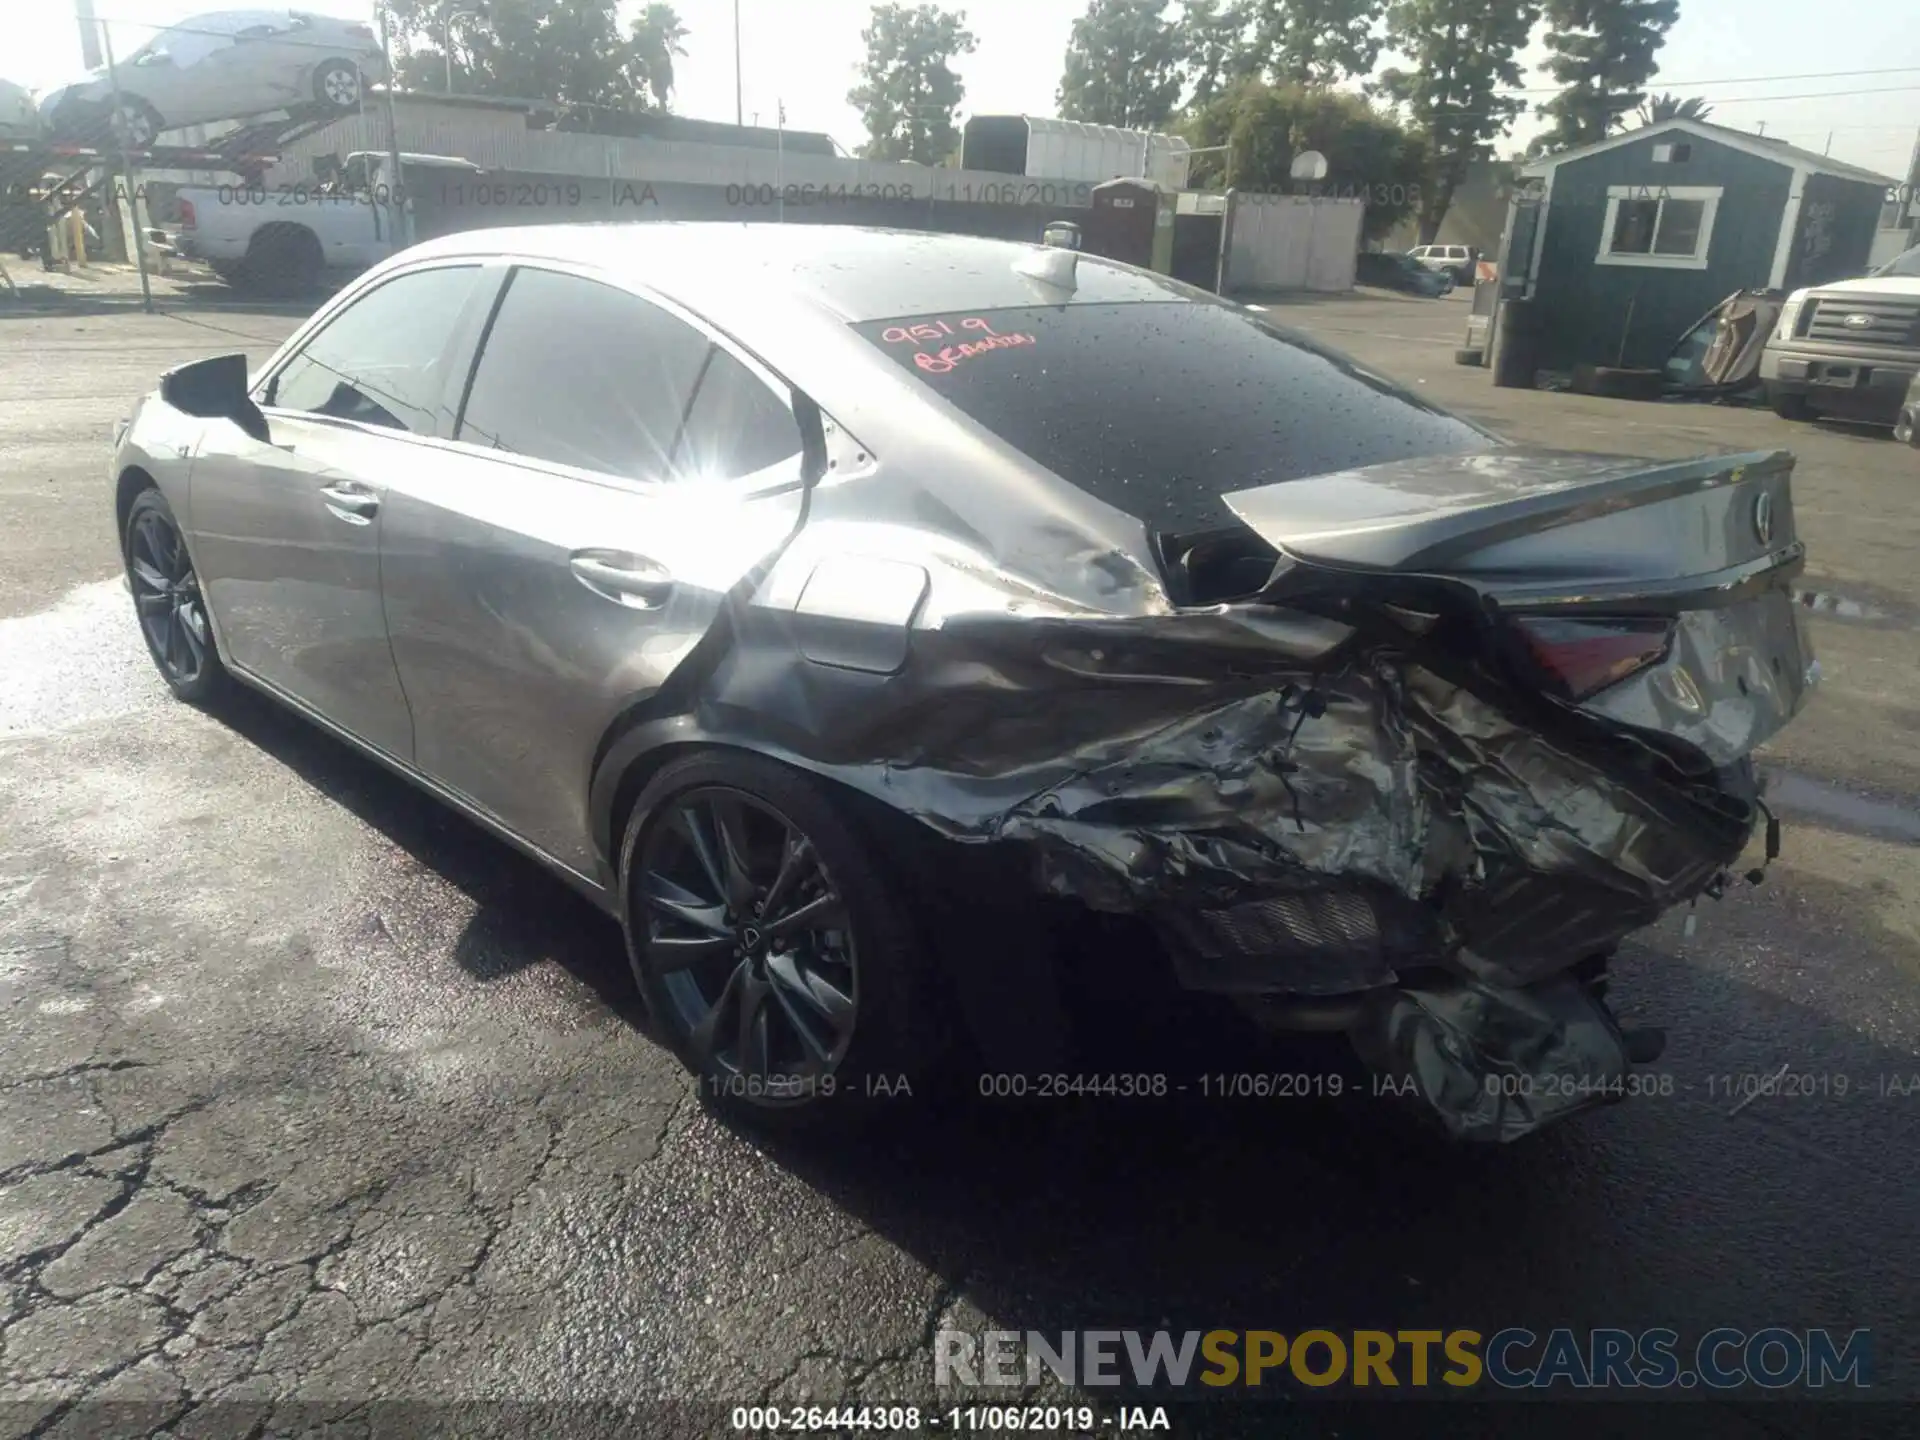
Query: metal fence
pixel 1291 242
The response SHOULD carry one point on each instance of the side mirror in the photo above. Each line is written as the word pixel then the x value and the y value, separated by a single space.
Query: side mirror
pixel 215 389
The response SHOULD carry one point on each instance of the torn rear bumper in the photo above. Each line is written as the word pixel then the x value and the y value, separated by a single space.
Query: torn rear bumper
pixel 1493 1064
pixel 1407 825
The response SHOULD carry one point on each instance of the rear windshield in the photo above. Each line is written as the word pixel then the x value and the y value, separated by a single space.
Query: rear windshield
pixel 1159 409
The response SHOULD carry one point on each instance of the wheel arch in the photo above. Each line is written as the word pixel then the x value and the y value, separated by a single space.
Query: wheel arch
pixel 133 479
pixel 273 229
pixel 633 752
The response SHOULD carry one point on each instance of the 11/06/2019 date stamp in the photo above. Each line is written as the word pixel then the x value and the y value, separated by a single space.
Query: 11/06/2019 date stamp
pixel 1335 1085
pixel 1736 1088
pixel 960 1419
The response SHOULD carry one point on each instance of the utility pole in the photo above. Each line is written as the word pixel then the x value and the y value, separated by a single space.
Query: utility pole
pixel 89 35
pixel 737 119
pixel 399 218
pixel 130 217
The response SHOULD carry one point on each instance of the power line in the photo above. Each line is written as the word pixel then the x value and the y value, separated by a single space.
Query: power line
pixel 1739 79
pixel 1717 100
pixel 1811 95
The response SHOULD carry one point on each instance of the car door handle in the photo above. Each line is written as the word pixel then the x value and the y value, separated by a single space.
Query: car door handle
pixel 629 579
pixel 355 504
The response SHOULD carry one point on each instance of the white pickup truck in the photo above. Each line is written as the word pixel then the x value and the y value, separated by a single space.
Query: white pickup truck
pixel 1850 349
pixel 285 237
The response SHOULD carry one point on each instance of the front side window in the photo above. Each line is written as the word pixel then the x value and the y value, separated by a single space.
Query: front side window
pixel 1660 226
pixel 582 374
pixel 382 360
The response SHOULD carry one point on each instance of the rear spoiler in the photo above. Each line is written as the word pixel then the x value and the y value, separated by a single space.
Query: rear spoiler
pixel 1538 530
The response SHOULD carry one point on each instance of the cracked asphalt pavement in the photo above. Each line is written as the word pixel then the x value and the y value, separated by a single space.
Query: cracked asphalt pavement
pixel 312 1096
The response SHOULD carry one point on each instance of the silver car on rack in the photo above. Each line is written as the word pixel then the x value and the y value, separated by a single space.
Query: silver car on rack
pixel 224 65
pixel 828 603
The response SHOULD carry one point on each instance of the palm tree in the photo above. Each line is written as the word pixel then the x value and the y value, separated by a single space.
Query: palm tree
pixel 656 41
pixel 1656 108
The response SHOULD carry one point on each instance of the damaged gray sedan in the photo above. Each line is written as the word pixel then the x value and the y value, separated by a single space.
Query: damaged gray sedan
pixel 782 587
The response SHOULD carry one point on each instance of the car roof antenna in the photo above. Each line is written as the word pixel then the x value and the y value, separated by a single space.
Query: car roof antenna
pixel 1053 266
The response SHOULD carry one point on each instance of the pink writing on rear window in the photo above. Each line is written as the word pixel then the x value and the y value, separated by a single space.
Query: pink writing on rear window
pixel 952 355
pixel 933 330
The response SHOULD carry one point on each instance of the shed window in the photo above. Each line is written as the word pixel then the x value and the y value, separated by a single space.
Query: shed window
pixel 1677 154
pixel 1665 226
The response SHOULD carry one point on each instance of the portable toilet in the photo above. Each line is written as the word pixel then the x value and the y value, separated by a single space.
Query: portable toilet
pixel 1132 220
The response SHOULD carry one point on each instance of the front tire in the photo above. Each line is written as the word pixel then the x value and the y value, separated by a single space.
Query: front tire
pixel 771 946
pixel 135 123
pixel 168 601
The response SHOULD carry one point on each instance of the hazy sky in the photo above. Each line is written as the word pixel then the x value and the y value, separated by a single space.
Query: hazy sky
pixel 803 52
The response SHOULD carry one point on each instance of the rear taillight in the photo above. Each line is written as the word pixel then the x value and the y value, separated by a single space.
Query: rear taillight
pixel 1583 657
pixel 188 220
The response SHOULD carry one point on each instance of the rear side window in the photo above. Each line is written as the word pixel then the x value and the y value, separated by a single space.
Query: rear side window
pixel 382 360
pixel 582 374
pixel 737 425
pixel 1160 408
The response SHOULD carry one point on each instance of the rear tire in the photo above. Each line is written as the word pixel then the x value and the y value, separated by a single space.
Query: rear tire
pixel 284 259
pixel 772 947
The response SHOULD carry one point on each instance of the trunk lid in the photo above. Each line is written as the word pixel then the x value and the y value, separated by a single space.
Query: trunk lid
pixel 1555 545
pixel 1531 526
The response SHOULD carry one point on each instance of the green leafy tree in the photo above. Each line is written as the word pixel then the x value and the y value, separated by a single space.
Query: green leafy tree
pixel 567 51
pixel 1315 42
pixel 1671 107
pixel 653 45
pixel 1369 153
pixel 1122 67
pixel 908 92
pixel 1212 36
pixel 1464 53
pixel 1602 52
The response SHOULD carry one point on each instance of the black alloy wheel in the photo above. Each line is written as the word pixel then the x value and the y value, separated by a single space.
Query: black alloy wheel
pixel 167 598
pixel 770 947
pixel 751 940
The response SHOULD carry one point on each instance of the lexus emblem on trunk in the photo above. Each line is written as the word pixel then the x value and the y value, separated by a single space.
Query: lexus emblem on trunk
pixel 1763 517
pixel 1857 321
